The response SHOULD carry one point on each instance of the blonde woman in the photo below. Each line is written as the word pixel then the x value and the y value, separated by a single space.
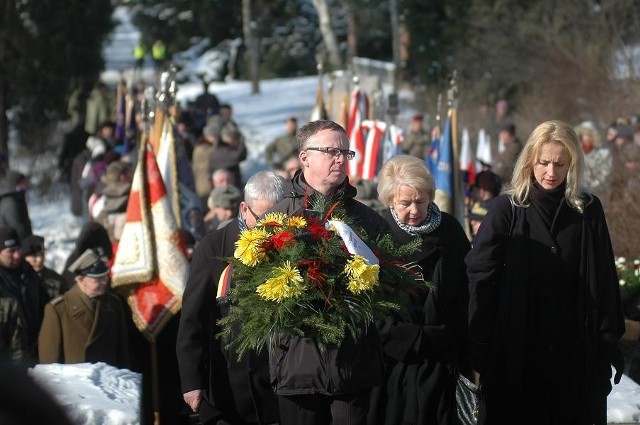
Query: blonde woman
pixel 544 310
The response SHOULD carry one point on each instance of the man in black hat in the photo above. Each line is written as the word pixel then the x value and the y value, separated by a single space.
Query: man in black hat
pixel 32 249
pixel 19 281
pixel 87 323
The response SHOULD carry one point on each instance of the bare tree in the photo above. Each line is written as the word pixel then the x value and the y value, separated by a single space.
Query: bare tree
pixel 248 28
pixel 328 35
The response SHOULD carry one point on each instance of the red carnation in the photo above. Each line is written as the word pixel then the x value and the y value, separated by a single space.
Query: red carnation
pixel 314 270
pixel 318 232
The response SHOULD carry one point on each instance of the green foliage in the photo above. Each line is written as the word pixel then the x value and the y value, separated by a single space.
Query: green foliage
pixel 324 305
pixel 51 47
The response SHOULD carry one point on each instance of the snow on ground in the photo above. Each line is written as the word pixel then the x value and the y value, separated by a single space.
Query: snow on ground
pixel 261 118
pixel 93 393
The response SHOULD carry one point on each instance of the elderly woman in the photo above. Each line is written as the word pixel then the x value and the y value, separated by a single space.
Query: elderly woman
pixel 544 311
pixel 423 349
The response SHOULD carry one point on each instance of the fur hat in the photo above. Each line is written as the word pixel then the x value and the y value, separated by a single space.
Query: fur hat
pixel 8 238
pixel 89 264
pixel 228 197
pixel 488 181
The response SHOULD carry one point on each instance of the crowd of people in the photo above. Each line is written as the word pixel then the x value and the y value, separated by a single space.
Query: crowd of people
pixel 524 302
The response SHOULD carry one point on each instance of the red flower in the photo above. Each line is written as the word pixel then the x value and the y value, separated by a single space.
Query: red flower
pixel 318 231
pixel 273 224
pixel 314 268
pixel 282 239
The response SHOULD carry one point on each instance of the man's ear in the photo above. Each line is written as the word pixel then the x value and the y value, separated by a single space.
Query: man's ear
pixel 303 158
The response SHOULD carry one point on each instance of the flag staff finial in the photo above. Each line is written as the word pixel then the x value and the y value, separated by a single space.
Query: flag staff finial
pixel 167 88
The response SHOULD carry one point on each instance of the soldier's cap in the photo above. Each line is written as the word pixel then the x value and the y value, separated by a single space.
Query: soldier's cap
pixel 32 245
pixel 89 264
pixel 8 238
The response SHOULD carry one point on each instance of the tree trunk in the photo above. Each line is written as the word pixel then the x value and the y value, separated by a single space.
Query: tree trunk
pixel 352 34
pixel 328 36
pixel 4 88
pixel 248 26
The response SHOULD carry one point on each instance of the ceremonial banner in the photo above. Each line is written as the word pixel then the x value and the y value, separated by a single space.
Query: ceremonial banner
pixel 358 112
pixel 375 132
pixel 483 150
pixel 467 165
pixel 319 112
pixel 392 142
pixel 150 260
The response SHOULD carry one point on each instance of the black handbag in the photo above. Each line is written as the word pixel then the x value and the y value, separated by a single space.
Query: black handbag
pixel 467 401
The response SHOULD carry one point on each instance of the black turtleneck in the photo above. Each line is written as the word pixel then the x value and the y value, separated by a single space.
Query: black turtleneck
pixel 547 201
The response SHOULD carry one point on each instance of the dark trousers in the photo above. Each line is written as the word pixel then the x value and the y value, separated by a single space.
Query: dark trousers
pixel 315 409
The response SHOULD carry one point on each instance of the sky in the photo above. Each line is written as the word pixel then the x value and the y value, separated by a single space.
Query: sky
pixel 100 394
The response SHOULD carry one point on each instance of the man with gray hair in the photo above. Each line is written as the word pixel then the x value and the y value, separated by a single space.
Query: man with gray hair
pixel 215 384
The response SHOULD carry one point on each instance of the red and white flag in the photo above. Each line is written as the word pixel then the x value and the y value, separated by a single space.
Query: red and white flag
pixel 358 112
pixel 375 134
pixel 467 163
pixel 150 261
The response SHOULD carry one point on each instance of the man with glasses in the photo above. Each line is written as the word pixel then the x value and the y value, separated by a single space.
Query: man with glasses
pixel 221 389
pixel 331 386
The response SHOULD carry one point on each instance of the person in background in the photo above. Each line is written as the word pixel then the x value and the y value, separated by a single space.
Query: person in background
pixel 139 52
pixel 228 152
pixel 33 251
pixel 597 159
pixel 331 386
pixel 290 168
pixel 283 147
pixel 222 178
pixel 423 347
pixel 159 53
pixel 506 157
pixel 418 140
pixel 200 160
pixel 14 346
pixel 476 214
pixel 14 212
pixel 223 204
pixel 216 385
pixel 545 314
pixel 92 236
pixel 19 281
pixel 87 323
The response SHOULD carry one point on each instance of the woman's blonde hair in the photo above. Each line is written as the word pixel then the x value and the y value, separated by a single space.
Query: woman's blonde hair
pixel 523 178
pixel 404 170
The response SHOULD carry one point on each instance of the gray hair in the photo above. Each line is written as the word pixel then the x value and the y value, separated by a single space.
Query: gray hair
pixel 264 185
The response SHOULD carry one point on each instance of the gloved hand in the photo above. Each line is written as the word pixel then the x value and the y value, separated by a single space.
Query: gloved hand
pixel 615 358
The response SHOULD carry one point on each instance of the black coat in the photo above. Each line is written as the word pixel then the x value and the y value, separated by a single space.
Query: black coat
pixel 297 364
pixel 233 389
pixel 423 350
pixel 13 205
pixel 544 313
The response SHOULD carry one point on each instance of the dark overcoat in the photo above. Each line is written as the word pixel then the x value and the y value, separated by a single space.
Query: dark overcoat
pixel 72 333
pixel 544 313
pixel 233 389
pixel 423 349
pixel 298 366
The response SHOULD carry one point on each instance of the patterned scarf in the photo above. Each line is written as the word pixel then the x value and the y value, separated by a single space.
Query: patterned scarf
pixel 430 224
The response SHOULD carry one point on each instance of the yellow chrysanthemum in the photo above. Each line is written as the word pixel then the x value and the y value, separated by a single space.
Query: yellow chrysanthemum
pixel 297 222
pixel 286 284
pixel 249 246
pixel 273 217
pixel 362 276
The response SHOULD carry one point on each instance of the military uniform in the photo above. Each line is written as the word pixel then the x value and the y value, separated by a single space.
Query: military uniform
pixel 280 150
pixel 79 329
pixel 417 143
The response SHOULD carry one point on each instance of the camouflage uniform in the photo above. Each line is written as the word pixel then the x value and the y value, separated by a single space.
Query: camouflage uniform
pixel 417 143
pixel 13 332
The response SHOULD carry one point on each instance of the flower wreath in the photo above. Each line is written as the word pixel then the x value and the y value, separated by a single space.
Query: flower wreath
pixel 295 275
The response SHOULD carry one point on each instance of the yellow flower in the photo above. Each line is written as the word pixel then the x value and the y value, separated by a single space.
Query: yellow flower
pixel 297 222
pixel 249 246
pixel 273 217
pixel 286 284
pixel 362 276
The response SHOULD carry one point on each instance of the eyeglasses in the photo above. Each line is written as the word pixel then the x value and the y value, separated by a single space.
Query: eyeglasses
pixel 252 213
pixel 334 152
